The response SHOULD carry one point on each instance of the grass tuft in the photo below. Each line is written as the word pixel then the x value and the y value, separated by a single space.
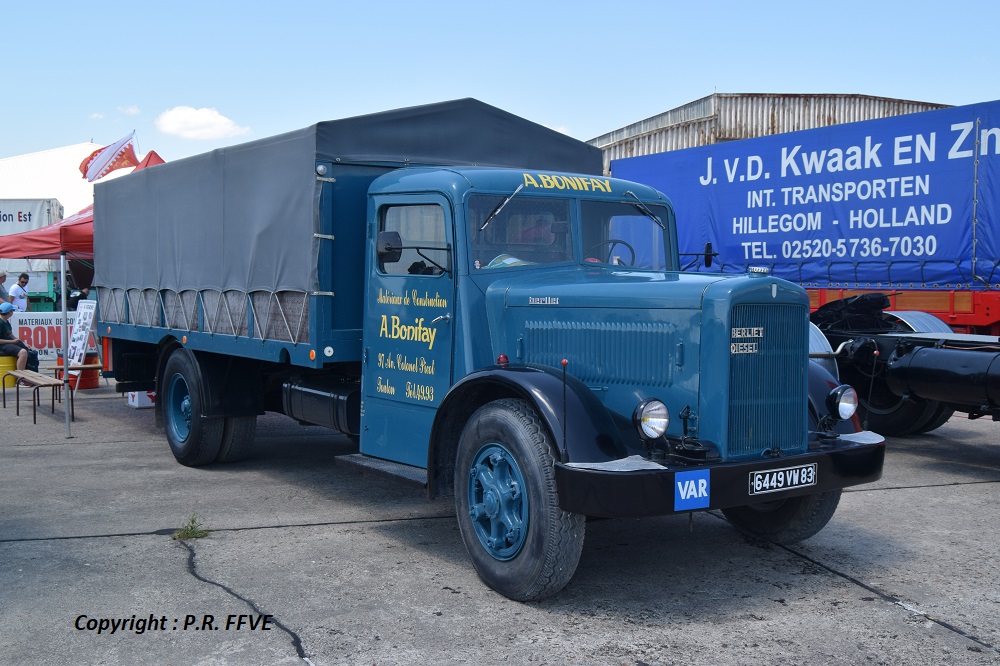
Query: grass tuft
pixel 192 530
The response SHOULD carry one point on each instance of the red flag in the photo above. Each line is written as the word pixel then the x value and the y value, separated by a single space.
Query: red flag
pixel 103 161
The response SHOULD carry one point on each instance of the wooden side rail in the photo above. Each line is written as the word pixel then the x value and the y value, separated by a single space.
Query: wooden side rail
pixel 36 381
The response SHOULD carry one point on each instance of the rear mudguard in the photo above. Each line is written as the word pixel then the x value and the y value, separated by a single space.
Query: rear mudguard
pixel 229 385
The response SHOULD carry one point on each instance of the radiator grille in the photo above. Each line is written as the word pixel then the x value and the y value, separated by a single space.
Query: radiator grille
pixel 606 353
pixel 767 388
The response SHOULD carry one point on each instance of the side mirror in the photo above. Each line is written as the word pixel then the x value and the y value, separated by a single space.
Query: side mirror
pixel 708 254
pixel 388 247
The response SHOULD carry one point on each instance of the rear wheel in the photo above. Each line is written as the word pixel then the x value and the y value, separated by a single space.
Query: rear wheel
pixel 193 440
pixel 521 543
pixel 885 412
pixel 785 521
pixel 937 419
pixel 888 413
pixel 237 438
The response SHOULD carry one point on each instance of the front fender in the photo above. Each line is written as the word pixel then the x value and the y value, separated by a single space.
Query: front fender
pixel 580 426
pixel 821 382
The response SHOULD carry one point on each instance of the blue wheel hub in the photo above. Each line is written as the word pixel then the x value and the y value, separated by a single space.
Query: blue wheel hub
pixel 179 408
pixel 498 505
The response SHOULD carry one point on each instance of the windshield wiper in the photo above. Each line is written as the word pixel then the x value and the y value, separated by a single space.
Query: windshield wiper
pixel 641 207
pixel 496 211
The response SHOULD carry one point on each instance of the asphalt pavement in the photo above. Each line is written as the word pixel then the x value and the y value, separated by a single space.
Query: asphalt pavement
pixel 309 561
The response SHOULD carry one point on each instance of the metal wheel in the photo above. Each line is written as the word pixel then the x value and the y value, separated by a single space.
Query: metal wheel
pixel 521 543
pixel 497 503
pixel 193 440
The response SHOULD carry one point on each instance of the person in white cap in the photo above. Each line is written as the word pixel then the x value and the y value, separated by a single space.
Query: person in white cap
pixel 9 344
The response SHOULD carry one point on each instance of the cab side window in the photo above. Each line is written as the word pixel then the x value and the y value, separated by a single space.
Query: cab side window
pixel 422 230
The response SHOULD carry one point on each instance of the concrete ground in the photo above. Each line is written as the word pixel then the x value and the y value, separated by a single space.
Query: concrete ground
pixel 355 569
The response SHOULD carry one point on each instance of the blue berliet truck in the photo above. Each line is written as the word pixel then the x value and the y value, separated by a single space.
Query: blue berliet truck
pixel 462 293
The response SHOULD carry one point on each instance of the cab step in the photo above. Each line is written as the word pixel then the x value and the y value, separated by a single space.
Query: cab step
pixel 407 474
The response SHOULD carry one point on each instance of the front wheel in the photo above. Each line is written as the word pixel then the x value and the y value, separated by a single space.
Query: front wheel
pixel 521 543
pixel 785 521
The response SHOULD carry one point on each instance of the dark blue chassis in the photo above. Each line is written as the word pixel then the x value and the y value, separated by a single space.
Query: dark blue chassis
pixel 605 493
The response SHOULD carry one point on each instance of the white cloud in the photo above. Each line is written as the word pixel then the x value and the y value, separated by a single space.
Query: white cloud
pixel 96 115
pixel 190 123
pixel 129 110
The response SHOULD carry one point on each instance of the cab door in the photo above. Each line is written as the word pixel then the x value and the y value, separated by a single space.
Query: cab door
pixel 408 335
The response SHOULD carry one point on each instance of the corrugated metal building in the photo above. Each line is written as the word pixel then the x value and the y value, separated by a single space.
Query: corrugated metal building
pixel 731 116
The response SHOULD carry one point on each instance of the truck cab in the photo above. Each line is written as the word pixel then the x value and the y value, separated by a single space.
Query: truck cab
pixel 519 321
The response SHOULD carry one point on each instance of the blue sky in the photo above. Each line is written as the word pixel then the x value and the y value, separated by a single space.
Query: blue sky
pixel 193 76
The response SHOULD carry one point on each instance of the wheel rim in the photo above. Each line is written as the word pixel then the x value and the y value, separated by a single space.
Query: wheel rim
pixel 179 408
pixel 498 505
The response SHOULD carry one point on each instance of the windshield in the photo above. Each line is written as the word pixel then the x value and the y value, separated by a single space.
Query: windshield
pixel 524 231
pixel 528 231
pixel 624 234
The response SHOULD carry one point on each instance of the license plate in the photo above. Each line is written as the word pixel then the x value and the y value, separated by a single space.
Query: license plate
pixel 775 480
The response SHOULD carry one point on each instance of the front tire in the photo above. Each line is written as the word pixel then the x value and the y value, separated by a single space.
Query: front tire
pixel 193 440
pixel 522 544
pixel 785 521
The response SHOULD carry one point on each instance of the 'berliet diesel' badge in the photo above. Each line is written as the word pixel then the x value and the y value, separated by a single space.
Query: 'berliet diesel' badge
pixel 543 300
pixel 744 340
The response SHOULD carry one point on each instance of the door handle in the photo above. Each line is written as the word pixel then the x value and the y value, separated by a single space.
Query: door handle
pixel 444 317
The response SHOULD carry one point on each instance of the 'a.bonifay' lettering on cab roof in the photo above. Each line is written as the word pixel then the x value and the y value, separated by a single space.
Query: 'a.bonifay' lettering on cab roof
pixel 553 181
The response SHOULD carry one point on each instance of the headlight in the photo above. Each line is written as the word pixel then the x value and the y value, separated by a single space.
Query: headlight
pixel 651 418
pixel 842 402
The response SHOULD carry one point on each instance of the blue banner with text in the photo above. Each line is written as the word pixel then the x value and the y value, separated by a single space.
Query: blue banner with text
pixel 910 201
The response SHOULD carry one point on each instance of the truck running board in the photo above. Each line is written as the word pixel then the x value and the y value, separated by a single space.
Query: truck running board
pixel 407 474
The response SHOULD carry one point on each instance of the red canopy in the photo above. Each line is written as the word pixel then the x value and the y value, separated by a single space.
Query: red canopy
pixel 73 235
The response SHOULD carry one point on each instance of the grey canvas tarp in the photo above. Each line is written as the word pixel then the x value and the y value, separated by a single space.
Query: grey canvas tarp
pixel 243 218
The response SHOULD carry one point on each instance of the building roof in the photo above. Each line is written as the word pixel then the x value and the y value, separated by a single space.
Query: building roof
pixel 732 116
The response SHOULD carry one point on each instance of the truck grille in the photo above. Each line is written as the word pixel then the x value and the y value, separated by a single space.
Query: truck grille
pixel 767 386
pixel 605 353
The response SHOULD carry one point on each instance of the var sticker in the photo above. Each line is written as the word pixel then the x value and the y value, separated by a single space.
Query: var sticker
pixel 691 490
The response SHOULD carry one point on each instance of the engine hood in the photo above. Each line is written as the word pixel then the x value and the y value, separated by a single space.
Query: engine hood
pixel 631 335
pixel 602 288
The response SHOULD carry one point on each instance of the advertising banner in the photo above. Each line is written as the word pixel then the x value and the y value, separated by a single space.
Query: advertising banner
pixel 43 331
pixel 908 201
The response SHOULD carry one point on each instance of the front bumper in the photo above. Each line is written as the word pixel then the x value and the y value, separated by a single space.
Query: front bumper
pixel 648 489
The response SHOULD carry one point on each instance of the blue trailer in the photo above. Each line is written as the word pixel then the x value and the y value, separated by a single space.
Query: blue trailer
pixel 462 293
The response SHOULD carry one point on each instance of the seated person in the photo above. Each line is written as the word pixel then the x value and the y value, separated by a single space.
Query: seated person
pixel 537 230
pixel 10 345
